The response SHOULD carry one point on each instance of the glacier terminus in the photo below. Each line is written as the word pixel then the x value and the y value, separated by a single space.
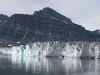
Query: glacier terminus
pixel 56 49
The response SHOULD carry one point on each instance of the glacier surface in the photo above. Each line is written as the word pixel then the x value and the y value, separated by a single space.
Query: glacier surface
pixel 56 49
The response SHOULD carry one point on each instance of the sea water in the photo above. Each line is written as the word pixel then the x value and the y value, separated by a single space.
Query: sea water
pixel 23 65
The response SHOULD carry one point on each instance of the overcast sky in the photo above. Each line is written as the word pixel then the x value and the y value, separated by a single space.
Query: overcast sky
pixel 82 12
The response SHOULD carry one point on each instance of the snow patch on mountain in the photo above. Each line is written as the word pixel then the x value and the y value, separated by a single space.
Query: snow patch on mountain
pixel 54 18
pixel 65 22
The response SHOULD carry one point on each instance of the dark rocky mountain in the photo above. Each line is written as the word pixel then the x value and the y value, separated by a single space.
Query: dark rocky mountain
pixel 52 14
pixel 96 33
pixel 3 18
pixel 43 25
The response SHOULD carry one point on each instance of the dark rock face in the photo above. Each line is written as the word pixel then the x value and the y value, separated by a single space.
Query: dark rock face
pixel 96 33
pixel 3 18
pixel 51 14
pixel 43 25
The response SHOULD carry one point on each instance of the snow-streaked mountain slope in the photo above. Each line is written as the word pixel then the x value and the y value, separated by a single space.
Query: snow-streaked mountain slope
pixel 44 25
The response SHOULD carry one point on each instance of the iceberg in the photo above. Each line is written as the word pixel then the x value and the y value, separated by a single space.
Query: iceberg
pixel 56 49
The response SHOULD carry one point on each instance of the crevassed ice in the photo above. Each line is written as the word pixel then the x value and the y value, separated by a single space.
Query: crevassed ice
pixel 56 49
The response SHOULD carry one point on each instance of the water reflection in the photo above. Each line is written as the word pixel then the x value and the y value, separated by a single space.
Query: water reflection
pixel 12 65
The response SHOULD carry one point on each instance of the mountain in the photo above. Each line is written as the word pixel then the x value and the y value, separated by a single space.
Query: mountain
pixel 3 18
pixel 52 14
pixel 96 33
pixel 43 25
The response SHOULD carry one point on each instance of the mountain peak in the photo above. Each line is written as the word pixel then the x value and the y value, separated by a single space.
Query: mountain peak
pixel 48 8
pixel 48 12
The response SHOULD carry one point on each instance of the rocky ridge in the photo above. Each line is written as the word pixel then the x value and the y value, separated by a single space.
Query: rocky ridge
pixel 43 25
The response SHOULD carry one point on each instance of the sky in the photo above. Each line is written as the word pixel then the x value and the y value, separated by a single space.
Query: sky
pixel 83 12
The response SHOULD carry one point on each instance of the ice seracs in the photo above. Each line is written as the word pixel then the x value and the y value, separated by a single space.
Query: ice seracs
pixel 56 49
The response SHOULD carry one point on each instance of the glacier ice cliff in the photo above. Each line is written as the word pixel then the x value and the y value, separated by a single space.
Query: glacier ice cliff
pixel 56 49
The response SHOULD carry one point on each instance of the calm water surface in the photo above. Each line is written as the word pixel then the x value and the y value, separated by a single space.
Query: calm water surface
pixel 14 65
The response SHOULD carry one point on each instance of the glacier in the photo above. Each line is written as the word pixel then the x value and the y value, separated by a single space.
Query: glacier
pixel 56 49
